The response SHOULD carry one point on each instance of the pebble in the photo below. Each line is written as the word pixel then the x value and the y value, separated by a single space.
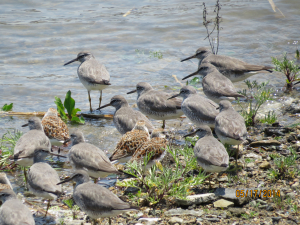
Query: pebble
pixel 213 219
pixel 264 143
pixel 175 220
pixel 180 211
pixel 265 165
pixel 250 165
pixel 222 203
pixel 196 199
pixel 236 211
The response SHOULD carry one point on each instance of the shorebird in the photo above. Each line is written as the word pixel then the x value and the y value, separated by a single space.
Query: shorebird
pixel 211 155
pixel 12 211
pixel 55 129
pixel 230 125
pixel 126 117
pixel 42 178
pixel 130 141
pixel 234 69
pixel 155 104
pixel 216 86
pixel 200 110
pixel 96 201
pixel 92 74
pixel 25 146
pixel 154 149
pixel 90 158
pixel 5 180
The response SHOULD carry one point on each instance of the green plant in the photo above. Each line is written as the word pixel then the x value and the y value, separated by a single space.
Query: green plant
pixel 69 202
pixel 7 107
pixel 270 118
pixel 289 68
pixel 69 105
pixel 249 216
pixel 155 54
pixel 193 81
pixel 257 95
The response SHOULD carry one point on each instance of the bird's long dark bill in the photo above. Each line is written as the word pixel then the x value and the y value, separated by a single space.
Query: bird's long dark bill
pixel 192 74
pixel 190 134
pixel 104 106
pixel 25 125
pixel 66 180
pixel 174 96
pixel 191 57
pixel 73 60
pixel 130 92
pixel 57 155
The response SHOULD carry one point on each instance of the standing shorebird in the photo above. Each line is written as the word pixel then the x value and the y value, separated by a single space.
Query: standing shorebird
pixel 130 141
pixel 155 104
pixel 90 158
pixel 12 211
pixel 154 149
pixel 216 86
pixel 234 69
pixel 200 110
pixel 42 178
pixel 55 129
pixel 25 146
pixel 211 155
pixel 96 201
pixel 92 74
pixel 230 125
pixel 126 117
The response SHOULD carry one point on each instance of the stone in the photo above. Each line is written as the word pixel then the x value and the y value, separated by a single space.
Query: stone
pixel 265 165
pixel 230 194
pixel 276 219
pixel 253 155
pixel 261 201
pixel 180 211
pixel 277 131
pixel 175 220
pixel 270 208
pixel 131 190
pixel 293 108
pixel 250 165
pixel 222 203
pixel 213 219
pixel 196 199
pixel 265 143
pixel 237 212
pixel 150 221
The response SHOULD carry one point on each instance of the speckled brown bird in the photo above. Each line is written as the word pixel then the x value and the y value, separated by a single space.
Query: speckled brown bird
pixel 55 129
pixel 130 142
pixel 154 148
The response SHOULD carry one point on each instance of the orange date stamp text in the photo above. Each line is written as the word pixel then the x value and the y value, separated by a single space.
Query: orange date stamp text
pixel 257 193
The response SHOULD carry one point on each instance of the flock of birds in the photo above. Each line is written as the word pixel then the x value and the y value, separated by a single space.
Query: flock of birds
pixel 139 139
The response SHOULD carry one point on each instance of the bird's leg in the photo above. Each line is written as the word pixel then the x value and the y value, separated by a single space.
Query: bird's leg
pixel 237 155
pixel 95 180
pixel 47 207
pixel 209 181
pixel 25 176
pixel 100 99
pixel 109 220
pixel 164 124
pixel 90 101
pixel 219 180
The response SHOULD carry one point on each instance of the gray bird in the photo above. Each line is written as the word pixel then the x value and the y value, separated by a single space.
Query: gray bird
pixel 90 158
pixel 42 178
pixel 234 69
pixel 216 86
pixel 125 117
pixel 211 155
pixel 96 201
pixel 155 104
pixel 92 74
pixel 200 110
pixel 12 211
pixel 25 146
pixel 5 180
pixel 230 125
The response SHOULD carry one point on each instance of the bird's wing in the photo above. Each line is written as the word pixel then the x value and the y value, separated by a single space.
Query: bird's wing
pixel 54 127
pixel 94 72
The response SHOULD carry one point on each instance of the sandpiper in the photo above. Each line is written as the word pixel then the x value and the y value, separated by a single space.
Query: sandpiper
pixel 55 129
pixel 126 117
pixel 92 74
pixel 90 158
pixel 155 104
pixel 25 146
pixel 211 155
pixel 234 69
pixel 230 125
pixel 200 110
pixel 154 149
pixel 42 178
pixel 131 141
pixel 12 211
pixel 96 201
pixel 216 86
pixel 5 180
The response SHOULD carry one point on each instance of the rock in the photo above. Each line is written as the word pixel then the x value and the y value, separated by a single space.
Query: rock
pixel 265 143
pixel 231 195
pixel 261 201
pixel 131 190
pixel 295 185
pixel 175 220
pixel 213 219
pixel 150 220
pixel 196 199
pixel 276 219
pixel 237 212
pixel 291 195
pixel 253 155
pixel 278 131
pixel 250 165
pixel 180 211
pixel 223 179
pixel 265 165
pixel 222 203
pixel 270 208
pixel 293 108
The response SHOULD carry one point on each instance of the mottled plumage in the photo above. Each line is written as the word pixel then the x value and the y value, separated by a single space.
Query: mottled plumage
pixel 234 69
pixel 126 117
pixel 130 141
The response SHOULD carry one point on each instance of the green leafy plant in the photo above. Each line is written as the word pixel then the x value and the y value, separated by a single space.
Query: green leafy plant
pixel 257 95
pixel 270 118
pixel 290 69
pixel 193 81
pixel 7 107
pixel 69 202
pixel 69 105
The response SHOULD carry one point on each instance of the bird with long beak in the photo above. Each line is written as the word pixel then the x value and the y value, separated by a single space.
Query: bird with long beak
pixel 216 86
pixel 211 155
pixel 126 117
pixel 155 104
pixel 96 201
pixel 234 69
pixel 92 74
